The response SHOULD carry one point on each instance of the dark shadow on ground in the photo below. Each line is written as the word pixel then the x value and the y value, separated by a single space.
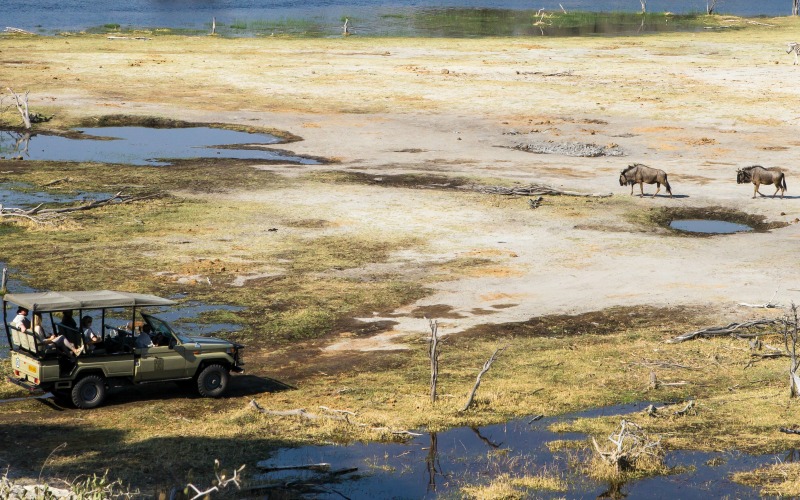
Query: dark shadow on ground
pixel 62 452
pixel 240 385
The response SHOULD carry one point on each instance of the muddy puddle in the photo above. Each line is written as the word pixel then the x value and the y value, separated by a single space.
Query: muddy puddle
pixel 708 226
pixel 708 221
pixel 144 146
pixel 439 464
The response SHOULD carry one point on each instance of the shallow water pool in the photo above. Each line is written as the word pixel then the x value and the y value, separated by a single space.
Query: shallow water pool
pixel 708 226
pixel 146 146
pixel 439 464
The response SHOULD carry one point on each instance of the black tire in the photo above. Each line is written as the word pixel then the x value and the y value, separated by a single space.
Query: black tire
pixel 213 381
pixel 89 392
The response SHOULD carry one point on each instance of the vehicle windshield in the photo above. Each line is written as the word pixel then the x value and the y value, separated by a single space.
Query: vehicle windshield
pixel 160 326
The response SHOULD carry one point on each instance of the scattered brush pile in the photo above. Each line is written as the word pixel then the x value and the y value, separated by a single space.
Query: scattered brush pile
pixel 90 487
pixel 571 149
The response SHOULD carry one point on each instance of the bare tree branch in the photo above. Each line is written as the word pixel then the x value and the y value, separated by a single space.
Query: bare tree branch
pixel 22 107
pixel 485 369
pixel 433 354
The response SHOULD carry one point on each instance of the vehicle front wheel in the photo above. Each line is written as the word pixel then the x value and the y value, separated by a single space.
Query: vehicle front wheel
pixel 212 381
pixel 89 392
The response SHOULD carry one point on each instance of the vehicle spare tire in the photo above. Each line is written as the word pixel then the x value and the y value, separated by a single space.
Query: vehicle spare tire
pixel 213 381
pixel 89 392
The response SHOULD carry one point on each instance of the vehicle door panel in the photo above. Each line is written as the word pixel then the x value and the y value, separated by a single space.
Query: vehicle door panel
pixel 160 362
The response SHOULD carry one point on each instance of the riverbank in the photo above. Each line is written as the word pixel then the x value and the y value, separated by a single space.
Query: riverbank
pixel 390 230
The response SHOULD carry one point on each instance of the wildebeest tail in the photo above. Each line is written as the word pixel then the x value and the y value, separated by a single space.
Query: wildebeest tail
pixel 783 183
pixel 666 185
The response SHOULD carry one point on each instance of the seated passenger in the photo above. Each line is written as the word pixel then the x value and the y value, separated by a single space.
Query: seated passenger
pixel 21 321
pixel 59 341
pixel 90 338
pixel 144 340
pixel 67 323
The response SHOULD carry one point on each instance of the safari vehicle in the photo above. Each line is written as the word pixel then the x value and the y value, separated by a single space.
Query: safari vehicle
pixel 120 355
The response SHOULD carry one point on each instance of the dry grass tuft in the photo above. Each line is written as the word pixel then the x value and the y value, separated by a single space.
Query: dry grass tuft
pixel 779 480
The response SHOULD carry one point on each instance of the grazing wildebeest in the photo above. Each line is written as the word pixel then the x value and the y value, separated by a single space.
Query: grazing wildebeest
pixel 759 175
pixel 640 174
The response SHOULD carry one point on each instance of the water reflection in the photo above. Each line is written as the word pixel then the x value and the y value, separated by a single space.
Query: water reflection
pixel 144 146
pixel 441 463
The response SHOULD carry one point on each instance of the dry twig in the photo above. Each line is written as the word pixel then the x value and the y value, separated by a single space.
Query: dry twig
pixel 222 482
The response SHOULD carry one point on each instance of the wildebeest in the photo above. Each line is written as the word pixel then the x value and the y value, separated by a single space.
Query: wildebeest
pixel 641 174
pixel 793 47
pixel 759 175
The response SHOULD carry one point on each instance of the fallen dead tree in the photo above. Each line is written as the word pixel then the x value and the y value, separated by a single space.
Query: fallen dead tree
pixel 536 190
pixel 737 330
pixel 690 407
pixel 300 485
pixel 338 415
pixel 18 31
pixel 41 215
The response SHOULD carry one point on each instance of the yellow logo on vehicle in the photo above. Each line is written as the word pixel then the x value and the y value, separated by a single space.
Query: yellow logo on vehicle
pixel 33 369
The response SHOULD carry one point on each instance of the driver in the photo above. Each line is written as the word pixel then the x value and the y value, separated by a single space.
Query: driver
pixel 159 339
pixel 144 340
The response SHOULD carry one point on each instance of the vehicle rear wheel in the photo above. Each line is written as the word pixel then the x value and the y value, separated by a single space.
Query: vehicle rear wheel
pixel 89 392
pixel 212 381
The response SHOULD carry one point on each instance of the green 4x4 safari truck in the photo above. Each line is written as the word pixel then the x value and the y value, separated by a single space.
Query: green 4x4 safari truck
pixel 127 349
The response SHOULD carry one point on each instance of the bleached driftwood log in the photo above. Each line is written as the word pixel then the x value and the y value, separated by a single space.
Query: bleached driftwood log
pixel 41 215
pixel 265 466
pixel 19 31
pixel 535 190
pixel 715 331
pixel 339 415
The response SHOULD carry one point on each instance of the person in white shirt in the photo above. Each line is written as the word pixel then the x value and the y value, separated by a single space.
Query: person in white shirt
pixel 90 338
pixel 21 321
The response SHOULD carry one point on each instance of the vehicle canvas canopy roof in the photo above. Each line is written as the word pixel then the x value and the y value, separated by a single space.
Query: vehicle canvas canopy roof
pixel 98 299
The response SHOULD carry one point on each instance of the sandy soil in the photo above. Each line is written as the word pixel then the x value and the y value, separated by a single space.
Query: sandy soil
pixel 695 105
